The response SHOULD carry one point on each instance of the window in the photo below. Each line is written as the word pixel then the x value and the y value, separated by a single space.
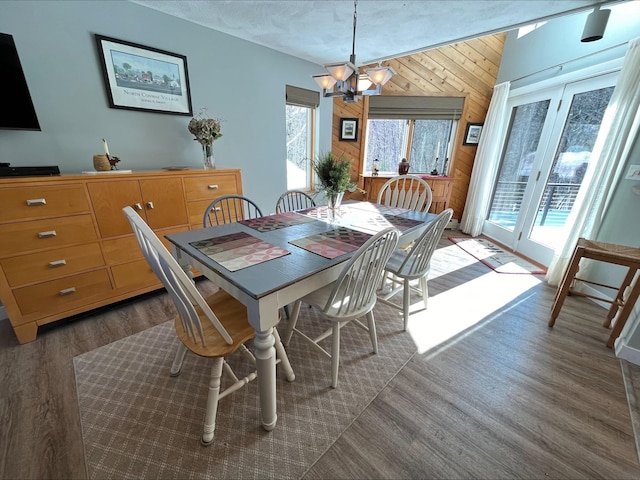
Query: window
pixel 419 129
pixel 300 117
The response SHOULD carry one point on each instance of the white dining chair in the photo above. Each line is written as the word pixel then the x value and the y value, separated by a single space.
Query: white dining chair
pixel 229 209
pixel 406 191
pixel 350 297
pixel 293 200
pixel 214 327
pixel 405 266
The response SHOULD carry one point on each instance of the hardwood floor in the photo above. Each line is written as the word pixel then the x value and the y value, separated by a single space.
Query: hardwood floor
pixel 505 397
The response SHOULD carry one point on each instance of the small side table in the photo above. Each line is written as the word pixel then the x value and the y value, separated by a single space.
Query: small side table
pixel 609 253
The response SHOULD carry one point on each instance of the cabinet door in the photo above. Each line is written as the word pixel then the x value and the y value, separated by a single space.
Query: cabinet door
pixel 108 199
pixel 164 202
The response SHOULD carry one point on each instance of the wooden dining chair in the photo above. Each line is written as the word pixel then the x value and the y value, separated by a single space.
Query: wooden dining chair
pixel 214 327
pixel 405 266
pixel 293 200
pixel 350 297
pixel 406 191
pixel 229 209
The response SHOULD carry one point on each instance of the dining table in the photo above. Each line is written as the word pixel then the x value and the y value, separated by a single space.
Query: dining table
pixel 271 261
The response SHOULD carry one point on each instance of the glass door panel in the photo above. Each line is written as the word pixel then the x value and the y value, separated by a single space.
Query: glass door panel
pixel 522 142
pixel 547 150
pixel 569 165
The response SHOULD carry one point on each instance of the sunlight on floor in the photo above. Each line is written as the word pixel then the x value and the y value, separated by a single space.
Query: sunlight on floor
pixel 462 307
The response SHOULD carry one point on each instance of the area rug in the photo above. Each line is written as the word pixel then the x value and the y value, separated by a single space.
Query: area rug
pixel 138 422
pixel 495 257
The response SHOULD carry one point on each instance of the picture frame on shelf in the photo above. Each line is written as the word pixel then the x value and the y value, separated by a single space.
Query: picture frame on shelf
pixel 472 133
pixel 349 129
pixel 138 77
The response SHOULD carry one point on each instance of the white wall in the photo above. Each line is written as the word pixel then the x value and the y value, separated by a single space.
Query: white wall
pixel 537 55
pixel 239 82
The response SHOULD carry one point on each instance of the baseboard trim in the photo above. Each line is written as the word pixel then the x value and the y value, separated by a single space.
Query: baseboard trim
pixel 625 352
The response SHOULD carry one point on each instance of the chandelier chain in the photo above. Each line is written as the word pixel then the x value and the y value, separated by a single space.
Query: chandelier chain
pixel 355 20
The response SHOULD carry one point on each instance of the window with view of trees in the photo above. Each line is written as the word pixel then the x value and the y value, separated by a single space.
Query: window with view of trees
pixel 426 144
pixel 420 129
pixel 300 118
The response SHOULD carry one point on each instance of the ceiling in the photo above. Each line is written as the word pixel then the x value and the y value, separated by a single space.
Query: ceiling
pixel 321 31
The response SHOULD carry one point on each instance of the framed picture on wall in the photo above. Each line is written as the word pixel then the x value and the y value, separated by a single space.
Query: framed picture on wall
pixel 472 134
pixel 349 129
pixel 143 78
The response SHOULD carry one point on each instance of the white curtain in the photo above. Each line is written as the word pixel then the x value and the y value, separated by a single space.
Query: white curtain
pixel 617 135
pixel 486 162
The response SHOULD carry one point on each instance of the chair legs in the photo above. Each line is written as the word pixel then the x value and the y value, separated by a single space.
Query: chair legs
pixel 215 395
pixel 282 357
pixel 406 296
pixel 212 402
pixel 334 332
pixel 178 359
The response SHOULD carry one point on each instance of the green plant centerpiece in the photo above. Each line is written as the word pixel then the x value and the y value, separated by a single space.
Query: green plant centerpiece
pixel 334 174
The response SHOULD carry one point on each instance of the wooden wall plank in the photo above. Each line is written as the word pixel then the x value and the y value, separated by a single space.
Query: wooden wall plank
pixel 465 69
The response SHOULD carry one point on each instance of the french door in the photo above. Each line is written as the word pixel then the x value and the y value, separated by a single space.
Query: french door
pixel 546 152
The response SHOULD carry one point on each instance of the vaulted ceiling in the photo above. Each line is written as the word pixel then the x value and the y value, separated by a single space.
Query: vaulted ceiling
pixel 321 31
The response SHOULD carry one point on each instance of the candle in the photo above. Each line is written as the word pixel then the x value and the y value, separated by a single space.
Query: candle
pixel 106 147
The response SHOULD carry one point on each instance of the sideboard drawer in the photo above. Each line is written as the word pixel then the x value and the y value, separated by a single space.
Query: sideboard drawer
pixel 24 237
pixel 43 266
pixel 134 275
pixel 42 201
pixel 208 188
pixel 56 296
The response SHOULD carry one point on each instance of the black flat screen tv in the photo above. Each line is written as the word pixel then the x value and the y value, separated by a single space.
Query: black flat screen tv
pixel 17 113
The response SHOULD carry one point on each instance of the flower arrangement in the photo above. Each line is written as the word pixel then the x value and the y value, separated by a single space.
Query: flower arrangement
pixel 206 130
pixel 334 174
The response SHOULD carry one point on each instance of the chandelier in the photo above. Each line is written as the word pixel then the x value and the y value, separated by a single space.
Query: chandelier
pixel 345 79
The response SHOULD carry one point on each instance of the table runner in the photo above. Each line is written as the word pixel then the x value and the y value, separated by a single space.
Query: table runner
pixel 277 221
pixel 333 243
pixel 239 250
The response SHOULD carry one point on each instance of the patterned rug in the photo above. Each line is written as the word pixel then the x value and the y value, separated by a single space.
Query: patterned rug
pixel 138 422
pixel 495 257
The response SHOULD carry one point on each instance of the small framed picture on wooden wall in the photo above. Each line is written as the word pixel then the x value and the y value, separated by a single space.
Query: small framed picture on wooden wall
pixel 348 129
pixel 472 134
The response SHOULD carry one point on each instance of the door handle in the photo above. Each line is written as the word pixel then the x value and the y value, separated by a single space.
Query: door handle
pixel 57 263
pixel 138 206
pixel 36 201
pixel 50 233
pixel 150 205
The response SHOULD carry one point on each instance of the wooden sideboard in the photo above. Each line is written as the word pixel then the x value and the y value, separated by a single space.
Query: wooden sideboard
pixel 67 247
pixel 440 189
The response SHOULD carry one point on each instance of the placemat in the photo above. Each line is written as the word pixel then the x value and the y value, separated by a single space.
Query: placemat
pixel 379 222
pixel 319 213
pixel 277 221
pixel 382 209
pixel 333 243
pixel 239 250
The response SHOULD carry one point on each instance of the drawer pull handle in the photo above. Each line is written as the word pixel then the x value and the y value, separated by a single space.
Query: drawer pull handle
pixel 57 263
pixel 50 233
pixel 67 291
pixel 212 187
pixel 36 201
pixel 138 206
pixel 150 205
